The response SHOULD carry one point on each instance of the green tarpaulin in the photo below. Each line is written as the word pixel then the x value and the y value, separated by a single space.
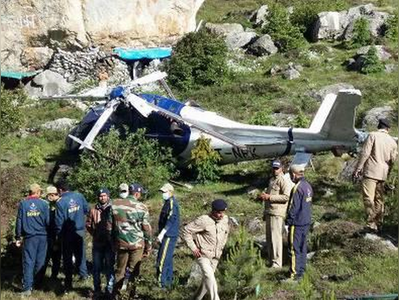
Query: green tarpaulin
pixel 18 75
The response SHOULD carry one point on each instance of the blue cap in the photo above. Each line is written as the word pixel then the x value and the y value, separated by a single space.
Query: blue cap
pixel 103 191
pixel 219 205
pixel 137 188
pixel 276 164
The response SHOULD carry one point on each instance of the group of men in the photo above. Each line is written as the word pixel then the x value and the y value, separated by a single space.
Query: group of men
pixel 287 202
pixel 121 234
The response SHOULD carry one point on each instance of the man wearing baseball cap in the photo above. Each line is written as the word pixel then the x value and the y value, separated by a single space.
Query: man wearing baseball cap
pixel 168 228
pixel 211 232
pixel 275 198
pixel 31 230
pixel 133 241
pixel 54 247
pixel 376 160
pixel 299 218
pixel 103 253
pixel 123 190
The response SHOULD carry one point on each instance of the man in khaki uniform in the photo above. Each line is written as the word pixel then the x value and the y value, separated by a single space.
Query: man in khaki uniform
pixel 276 198
pixel 206 236
pixel 378 155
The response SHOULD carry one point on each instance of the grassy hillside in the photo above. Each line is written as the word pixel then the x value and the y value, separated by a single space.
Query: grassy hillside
pixel 348 264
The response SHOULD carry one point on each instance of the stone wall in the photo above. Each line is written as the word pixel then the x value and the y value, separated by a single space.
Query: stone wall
pixel 77 24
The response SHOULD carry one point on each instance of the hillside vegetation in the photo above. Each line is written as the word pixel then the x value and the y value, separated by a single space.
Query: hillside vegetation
pixel 344 263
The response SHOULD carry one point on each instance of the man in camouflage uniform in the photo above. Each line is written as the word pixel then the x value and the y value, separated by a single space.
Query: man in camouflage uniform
pixel 132 232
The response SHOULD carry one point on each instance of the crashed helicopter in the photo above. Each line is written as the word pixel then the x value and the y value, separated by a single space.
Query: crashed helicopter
pixel 179 125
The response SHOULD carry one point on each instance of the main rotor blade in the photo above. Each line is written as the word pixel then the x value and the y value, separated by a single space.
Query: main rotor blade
pixel 110 108
pixel 72 97
pixel 149 78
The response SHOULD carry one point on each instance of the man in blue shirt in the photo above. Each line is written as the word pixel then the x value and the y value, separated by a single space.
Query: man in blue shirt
pixel 31 230
pixel 168 226
pixel 70 221
pixel 299 217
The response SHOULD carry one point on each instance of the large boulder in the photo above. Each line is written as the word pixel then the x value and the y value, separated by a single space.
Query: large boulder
pixel 357 61
pixel 340 25
pixel 80 23
pixel 237 40
pixel 329 89
pixel 376 113
pixel 35 58
pixel 62 124
pixel 263 46
pixel 47 84
pixel 224 29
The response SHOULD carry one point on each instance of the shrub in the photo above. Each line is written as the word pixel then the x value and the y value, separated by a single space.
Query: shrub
pixel 243 272
pixel 305 13
pixel 284 34
pixel 36 157
pixel 301 120
pixel 372 63
pixel 391 30
pixel 199 58
pixel 204 161
pixel 361 34
pixel 118 159
pixel 263 117
pixel 12 117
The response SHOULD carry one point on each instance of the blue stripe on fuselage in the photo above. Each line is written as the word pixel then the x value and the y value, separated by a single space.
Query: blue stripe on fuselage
pixel 163 102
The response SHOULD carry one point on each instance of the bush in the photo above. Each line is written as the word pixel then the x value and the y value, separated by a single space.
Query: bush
pixel 372 63
pixel 36 157
pixel 301 120
pixel 120 159
pixel 361 34
pixel 305 13
pixel 243 272
pixel 12 117
pixel 204 161
pixel 263 117
pixel 284 34
pixel 391 30
pixel 199 58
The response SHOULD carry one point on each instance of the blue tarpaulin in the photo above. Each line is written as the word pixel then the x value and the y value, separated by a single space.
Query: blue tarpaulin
pixel 18 75
pixel 138 54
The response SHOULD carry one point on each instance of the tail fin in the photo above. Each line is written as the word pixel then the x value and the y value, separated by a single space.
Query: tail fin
pixel 335 118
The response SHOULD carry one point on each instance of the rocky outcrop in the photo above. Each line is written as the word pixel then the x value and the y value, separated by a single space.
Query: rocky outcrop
pixel 339 25
pixel 74 25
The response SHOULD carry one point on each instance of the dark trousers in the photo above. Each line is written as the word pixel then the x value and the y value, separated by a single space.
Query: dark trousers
pixel 73 245
pixel 103 260
pixel 33 259
pixel 297 250
pixel 53 253
pixel 165 261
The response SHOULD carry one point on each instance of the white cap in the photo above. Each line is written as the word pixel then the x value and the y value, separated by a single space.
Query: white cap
pixel 167 187
pixel 298 169
pixel 123 187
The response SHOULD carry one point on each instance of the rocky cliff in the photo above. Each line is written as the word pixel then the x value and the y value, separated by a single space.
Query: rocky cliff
pixel 31 28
